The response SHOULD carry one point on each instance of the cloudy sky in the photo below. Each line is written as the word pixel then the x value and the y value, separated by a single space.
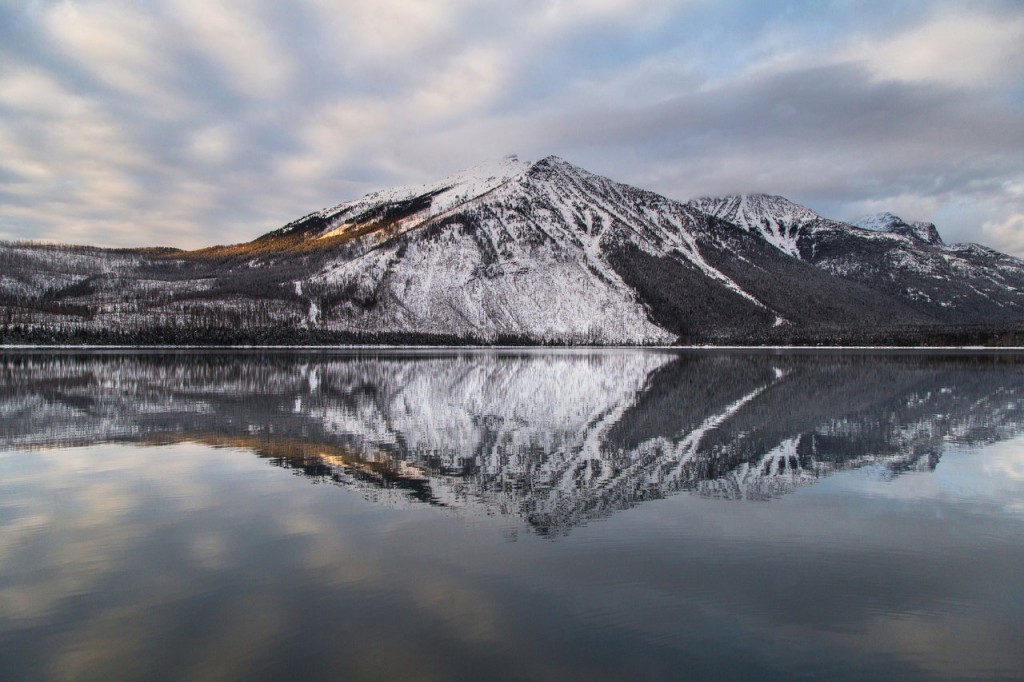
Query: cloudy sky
pixel 194 122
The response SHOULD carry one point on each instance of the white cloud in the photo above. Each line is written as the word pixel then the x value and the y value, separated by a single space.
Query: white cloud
pixel 238 38
pixel 121 46
pixel 384 28
pixel 34 92
pixel 959 49
pixel 467 83
pixel 1006 234
pixel 213 144
pixel 18 159
pixel 566 15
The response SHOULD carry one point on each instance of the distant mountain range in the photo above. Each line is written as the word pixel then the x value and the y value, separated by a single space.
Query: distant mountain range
pixel 517 252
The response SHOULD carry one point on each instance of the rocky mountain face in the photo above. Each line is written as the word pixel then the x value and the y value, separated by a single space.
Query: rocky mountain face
pixel 959 283
pixel 520 252
pixel 887 222
pixel 553 438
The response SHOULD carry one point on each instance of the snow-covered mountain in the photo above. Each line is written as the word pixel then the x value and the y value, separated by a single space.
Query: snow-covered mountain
pixel 553 252
pixel 907 261
pixel 521 251
pixel 887 222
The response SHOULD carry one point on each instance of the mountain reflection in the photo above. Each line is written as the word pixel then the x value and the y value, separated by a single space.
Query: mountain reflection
pixel 555 438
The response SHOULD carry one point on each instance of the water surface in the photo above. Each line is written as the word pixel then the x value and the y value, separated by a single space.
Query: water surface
pixel 511 515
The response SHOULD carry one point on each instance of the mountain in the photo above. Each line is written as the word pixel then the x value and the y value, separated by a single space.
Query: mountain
pixel 909 262
pixel 515 252
pixel 555 438
pixel 887 222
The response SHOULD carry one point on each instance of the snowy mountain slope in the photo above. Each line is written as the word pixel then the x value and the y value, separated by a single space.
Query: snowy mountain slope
pixel 775 219
pixel 409 206
pixel 957 283
pixel 907 261
pixel 33 270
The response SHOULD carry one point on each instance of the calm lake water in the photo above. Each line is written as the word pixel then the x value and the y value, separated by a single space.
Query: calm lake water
pixel 511 515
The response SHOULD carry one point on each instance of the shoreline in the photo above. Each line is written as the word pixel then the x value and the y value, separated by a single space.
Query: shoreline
pixel 378 347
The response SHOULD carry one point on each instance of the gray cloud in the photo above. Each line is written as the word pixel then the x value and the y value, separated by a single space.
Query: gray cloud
pixel 184 123
pixel 829 136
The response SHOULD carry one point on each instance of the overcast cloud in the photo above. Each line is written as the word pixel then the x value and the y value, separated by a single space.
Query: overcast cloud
pixel 193 122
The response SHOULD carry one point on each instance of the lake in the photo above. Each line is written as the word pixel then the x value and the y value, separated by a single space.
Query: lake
pixel 507 514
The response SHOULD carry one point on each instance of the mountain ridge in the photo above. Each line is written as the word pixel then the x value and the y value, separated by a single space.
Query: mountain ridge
pixel 887 222
pixel 542 251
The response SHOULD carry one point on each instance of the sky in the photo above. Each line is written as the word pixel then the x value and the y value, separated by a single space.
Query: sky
pixel 188 123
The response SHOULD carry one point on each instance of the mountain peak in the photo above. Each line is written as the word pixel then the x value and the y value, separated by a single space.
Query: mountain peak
pixel 419 202
pixel 751 210
pixel 556 165
pixel 888 222
pixel 775 218
pixel 879 222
